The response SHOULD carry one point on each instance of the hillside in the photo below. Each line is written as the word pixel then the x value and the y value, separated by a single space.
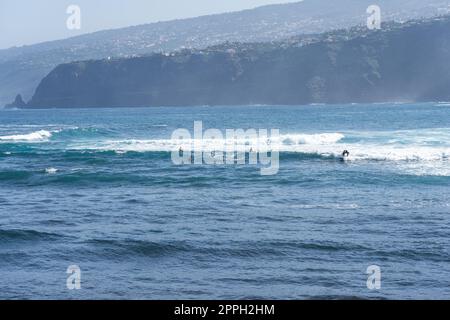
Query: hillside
pixel 401 62
pixel 21 69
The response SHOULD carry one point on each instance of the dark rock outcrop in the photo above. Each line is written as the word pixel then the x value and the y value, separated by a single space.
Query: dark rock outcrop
pixel 18 103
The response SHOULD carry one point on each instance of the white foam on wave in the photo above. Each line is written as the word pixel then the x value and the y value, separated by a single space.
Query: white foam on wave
pixel 379 152
pixel 41 135
pixel 320 138
pixel 357 151
pixel 51 170
pixel 283 143
pixel 413 160
pixel 420 152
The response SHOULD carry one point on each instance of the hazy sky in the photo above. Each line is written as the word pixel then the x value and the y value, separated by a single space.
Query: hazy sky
pixel 29 21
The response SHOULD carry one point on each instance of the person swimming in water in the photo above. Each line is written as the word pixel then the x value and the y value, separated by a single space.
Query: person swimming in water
pixel 345 154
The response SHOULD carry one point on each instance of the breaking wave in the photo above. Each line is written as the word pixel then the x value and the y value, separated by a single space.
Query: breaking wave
pixel 362 146
pixel 430 148
pixel 419 152
pixel 283 143
pixel 41 135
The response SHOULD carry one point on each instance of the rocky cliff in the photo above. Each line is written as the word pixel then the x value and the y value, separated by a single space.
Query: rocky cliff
pixel 400 62
pixel 22 68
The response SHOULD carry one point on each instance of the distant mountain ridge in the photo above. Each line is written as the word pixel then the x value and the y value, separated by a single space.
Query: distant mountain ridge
pixel 400 62
pixel 21 69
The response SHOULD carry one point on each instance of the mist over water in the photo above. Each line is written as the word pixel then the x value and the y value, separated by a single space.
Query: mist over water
pixel 97 188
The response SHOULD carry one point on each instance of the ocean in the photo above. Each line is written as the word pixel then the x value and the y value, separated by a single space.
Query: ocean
pixel 97 189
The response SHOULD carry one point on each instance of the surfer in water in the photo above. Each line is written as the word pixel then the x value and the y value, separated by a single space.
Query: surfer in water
pixel 345 154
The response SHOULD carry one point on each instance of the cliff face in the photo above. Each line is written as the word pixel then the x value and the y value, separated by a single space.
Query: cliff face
pixel 407 62
pixel 22 68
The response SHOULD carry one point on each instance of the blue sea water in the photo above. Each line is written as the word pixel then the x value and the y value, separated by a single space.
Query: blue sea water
pixel 97 188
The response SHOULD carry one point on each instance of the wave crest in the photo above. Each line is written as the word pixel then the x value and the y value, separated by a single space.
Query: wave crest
pixel 41 135
pixel 320 138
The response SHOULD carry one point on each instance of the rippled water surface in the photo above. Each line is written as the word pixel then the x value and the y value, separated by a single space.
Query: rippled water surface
pixel 98 189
